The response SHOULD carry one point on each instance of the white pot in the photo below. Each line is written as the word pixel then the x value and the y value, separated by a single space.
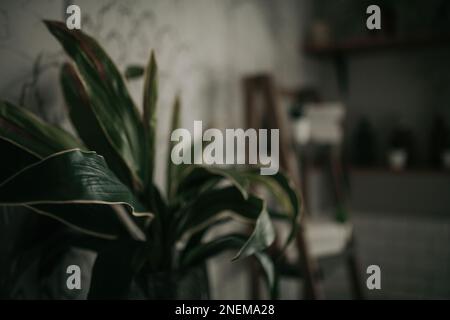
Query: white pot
pixel 397 159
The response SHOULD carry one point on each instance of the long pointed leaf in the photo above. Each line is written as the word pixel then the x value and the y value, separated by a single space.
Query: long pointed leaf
pixel 211 205
pixel 149 117
pixel 278 185
pixel 79 180
pixel 89 129
pixel 24 129
pixel 285 192
pixel 172 169
pixel 217 246
pixel 199 175
pixel 110 100
pixel 261 238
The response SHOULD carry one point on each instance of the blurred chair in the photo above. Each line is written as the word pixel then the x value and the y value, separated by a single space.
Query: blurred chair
pixel 319 242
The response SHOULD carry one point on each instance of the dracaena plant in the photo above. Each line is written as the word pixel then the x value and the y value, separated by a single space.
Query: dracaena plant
pixel 101 182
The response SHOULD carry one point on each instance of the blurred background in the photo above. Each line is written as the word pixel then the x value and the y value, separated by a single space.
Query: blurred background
pixel 368 118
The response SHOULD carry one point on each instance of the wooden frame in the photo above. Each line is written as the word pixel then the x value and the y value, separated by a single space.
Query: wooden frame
pixel 264 86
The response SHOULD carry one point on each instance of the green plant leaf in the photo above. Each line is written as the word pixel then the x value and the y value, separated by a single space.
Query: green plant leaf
pixel 108 95
pixel 215 204
pixel 173 171
pixel 219 245
pixel 199 175
pixel 23 129
pixel 219 203
pixel 76 188
pixel 269 270
pixel 278 185
pixel 261 238
pixel 149 117
pixel 89 129
pixel 285 192
pixel 134 72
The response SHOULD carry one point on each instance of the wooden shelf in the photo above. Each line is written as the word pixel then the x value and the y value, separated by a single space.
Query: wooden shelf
pixel 387 171
pixel 370 44
pixel 407 171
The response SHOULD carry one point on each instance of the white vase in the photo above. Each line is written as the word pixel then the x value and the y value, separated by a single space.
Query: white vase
pixel 397 159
